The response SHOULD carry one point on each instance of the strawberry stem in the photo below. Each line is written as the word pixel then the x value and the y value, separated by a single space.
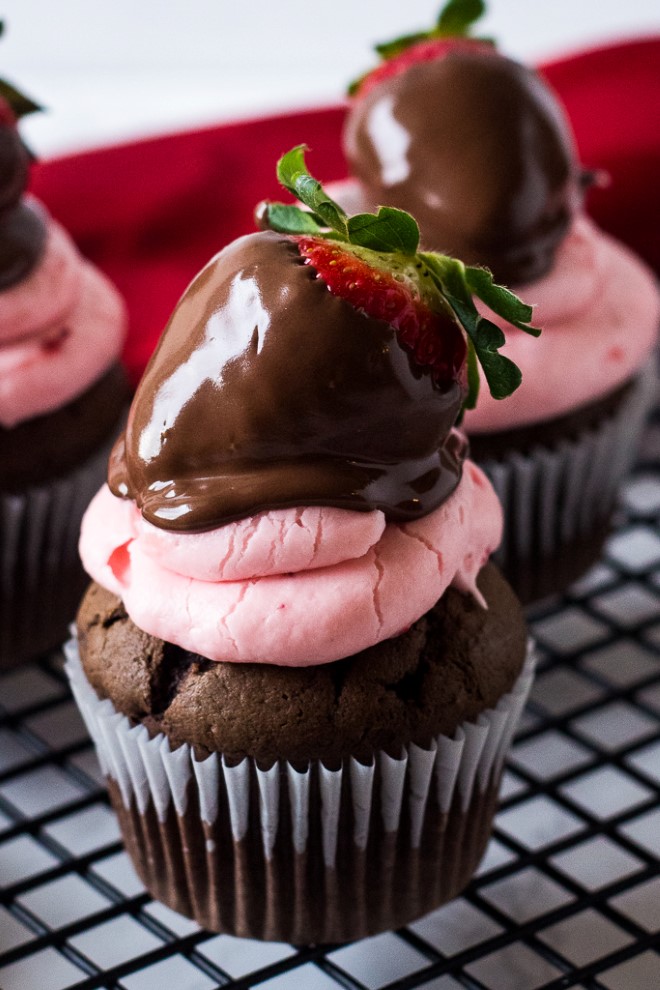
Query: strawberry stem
pixel 454 21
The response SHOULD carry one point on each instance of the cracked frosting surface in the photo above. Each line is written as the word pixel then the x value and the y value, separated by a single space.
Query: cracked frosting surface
pixel 294 587
pixel 61 328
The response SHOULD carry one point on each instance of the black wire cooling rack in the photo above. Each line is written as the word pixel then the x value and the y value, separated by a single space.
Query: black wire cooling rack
pixel 567 896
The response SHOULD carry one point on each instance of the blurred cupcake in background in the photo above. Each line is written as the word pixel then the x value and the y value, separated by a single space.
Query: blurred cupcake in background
pixel 63 394
pixel 479 149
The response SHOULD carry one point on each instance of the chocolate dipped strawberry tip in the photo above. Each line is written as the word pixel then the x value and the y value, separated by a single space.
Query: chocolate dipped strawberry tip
pixel 450 32
pixel 372 261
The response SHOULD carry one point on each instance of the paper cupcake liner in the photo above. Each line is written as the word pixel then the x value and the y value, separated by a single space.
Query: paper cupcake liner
pixel 41 577
pixel 558 500
pixel 313 855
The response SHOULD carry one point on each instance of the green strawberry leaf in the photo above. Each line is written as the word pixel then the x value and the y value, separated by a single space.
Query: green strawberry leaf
pixel 451 278
pixel 286 219
pixel 501 300
pixel 457 16
pixel 502 375
pixel 355 84
pixel 21 104
pixel 388 49
pixel 388 230
pixel 474 382
pixel 454 21
pixel 449 274
pixel 293 174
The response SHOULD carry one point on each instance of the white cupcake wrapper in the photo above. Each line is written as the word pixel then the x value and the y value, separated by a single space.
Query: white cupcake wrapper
pixel 553 496
pixel 41 577
pixel 147 771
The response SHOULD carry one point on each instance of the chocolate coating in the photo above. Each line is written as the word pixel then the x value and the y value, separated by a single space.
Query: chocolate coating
pixel 22 241
pixel 14 166
pixel 478 149
pixel 267 391
pixel 22 225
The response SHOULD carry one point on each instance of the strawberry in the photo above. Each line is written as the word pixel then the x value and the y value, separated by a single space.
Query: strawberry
pixel 429 50
pixel 390 289
pixel 472 142
pixel 372 261
pixel 448 34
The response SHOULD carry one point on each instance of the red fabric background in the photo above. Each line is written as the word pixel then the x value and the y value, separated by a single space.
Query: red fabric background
pixel 151 213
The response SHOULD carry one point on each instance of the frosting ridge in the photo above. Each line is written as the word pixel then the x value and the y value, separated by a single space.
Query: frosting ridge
pixel 308 617
pixel 61 328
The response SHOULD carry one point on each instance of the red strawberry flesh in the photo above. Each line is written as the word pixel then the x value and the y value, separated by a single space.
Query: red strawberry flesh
pixel 435 339
pixel 423 51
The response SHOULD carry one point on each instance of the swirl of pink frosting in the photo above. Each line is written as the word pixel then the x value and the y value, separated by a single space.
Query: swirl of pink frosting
pixel 599 311
pixel 61 328
pixel 294 587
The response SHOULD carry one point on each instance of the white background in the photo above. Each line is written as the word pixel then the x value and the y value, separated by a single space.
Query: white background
pixel 115 69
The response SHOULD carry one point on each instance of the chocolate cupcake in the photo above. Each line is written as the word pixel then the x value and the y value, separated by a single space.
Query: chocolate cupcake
pixel 299 669
pixel 62 398
pixel 479 149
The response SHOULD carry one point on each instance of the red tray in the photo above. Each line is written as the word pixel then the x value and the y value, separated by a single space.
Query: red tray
pixel 151 213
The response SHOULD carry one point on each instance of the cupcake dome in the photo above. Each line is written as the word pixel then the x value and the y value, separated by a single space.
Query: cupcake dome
pixel 452 122
pixel 62 395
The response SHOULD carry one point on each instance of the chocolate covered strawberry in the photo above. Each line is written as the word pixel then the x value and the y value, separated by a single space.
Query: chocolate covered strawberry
pixel 389 288
pixel 450 33
pixel 473 144
pixel 373 262
pixel 322 361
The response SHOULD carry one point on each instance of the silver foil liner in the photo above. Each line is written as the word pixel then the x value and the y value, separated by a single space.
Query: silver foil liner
pixel 558 500
pixel 303 855
pixel 41 577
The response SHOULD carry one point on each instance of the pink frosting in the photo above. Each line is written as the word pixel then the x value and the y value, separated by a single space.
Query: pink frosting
pixel 599 310
pixel 294 587
pixel 60 329
pixel 276 542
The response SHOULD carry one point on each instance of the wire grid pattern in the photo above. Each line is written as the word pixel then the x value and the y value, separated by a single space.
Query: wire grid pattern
pixel 568 894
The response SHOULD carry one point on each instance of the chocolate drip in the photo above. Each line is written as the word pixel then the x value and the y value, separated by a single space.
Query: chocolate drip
pixel 267 391
pixel 477 148
pixel 22 226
